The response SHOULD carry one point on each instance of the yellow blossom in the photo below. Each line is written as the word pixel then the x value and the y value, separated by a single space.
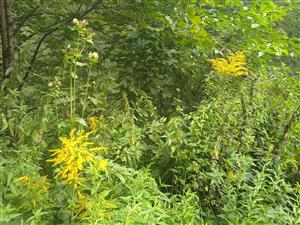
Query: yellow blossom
pixel 38 184
pixel 93 123
pixel 230 174
pixel 214 154
pixel 72 157
pixel 235 65
pixel 82 203
pixel 102 164
pixel 35 190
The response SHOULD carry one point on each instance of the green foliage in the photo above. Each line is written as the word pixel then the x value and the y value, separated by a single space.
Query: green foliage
pixel 119 117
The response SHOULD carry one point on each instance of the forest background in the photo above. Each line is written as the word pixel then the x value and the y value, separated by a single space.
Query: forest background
pixel 150 112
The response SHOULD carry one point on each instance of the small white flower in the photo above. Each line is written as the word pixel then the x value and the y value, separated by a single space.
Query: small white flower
pixel 260 54
pixel 255 25
pixel 84 22
pixel 75 21
pixel 93 57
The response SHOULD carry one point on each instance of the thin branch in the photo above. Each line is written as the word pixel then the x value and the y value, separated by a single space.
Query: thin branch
pixel 35 56
pixel 56 28
pixel 80 6
pixel 24 19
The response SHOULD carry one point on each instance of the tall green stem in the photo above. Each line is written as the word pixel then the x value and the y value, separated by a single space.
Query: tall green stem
pixel 74 90
pixel 71 94
pixel 86 90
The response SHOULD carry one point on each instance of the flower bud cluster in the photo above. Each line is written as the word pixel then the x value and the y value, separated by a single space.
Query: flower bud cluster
pixel 77 22
pixel 93 57
pixel 85 32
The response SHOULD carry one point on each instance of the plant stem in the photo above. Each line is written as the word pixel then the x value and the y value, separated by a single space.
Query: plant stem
pixel 71 94
pixel 86 90
pixel 74 90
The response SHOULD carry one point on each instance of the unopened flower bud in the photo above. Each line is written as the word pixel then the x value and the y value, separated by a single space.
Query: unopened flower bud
pixel 93 57
pixel 84 23
pixel 75 21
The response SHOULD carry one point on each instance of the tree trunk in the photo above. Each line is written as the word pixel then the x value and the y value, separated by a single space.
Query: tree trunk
pixel 7 39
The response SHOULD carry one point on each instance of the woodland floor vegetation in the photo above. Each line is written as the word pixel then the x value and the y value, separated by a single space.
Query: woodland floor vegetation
pixel 150 112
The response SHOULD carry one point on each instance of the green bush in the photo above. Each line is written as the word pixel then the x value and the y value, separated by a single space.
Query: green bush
pixel 167 112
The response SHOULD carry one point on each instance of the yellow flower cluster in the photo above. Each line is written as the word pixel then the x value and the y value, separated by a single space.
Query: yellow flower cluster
pixel 82 203
pixel 96 122
pixel 102 164
pixel 93 123
pixel 36 183
pixel 235 65
pixel 36 188
pixel 72 157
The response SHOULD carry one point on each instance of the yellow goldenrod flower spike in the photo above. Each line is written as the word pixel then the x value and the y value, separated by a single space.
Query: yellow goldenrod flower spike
pixel 235 65
pixel 71 158
pixel 82 203
pixel 93 123
pixel 39 184
pixel 23 179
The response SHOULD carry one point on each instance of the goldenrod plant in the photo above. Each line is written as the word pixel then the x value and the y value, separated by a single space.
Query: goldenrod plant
pixel 149 113
pixel 235 65
pixel 76 153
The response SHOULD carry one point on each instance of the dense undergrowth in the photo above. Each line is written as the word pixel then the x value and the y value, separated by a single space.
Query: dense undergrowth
pixel 178 113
